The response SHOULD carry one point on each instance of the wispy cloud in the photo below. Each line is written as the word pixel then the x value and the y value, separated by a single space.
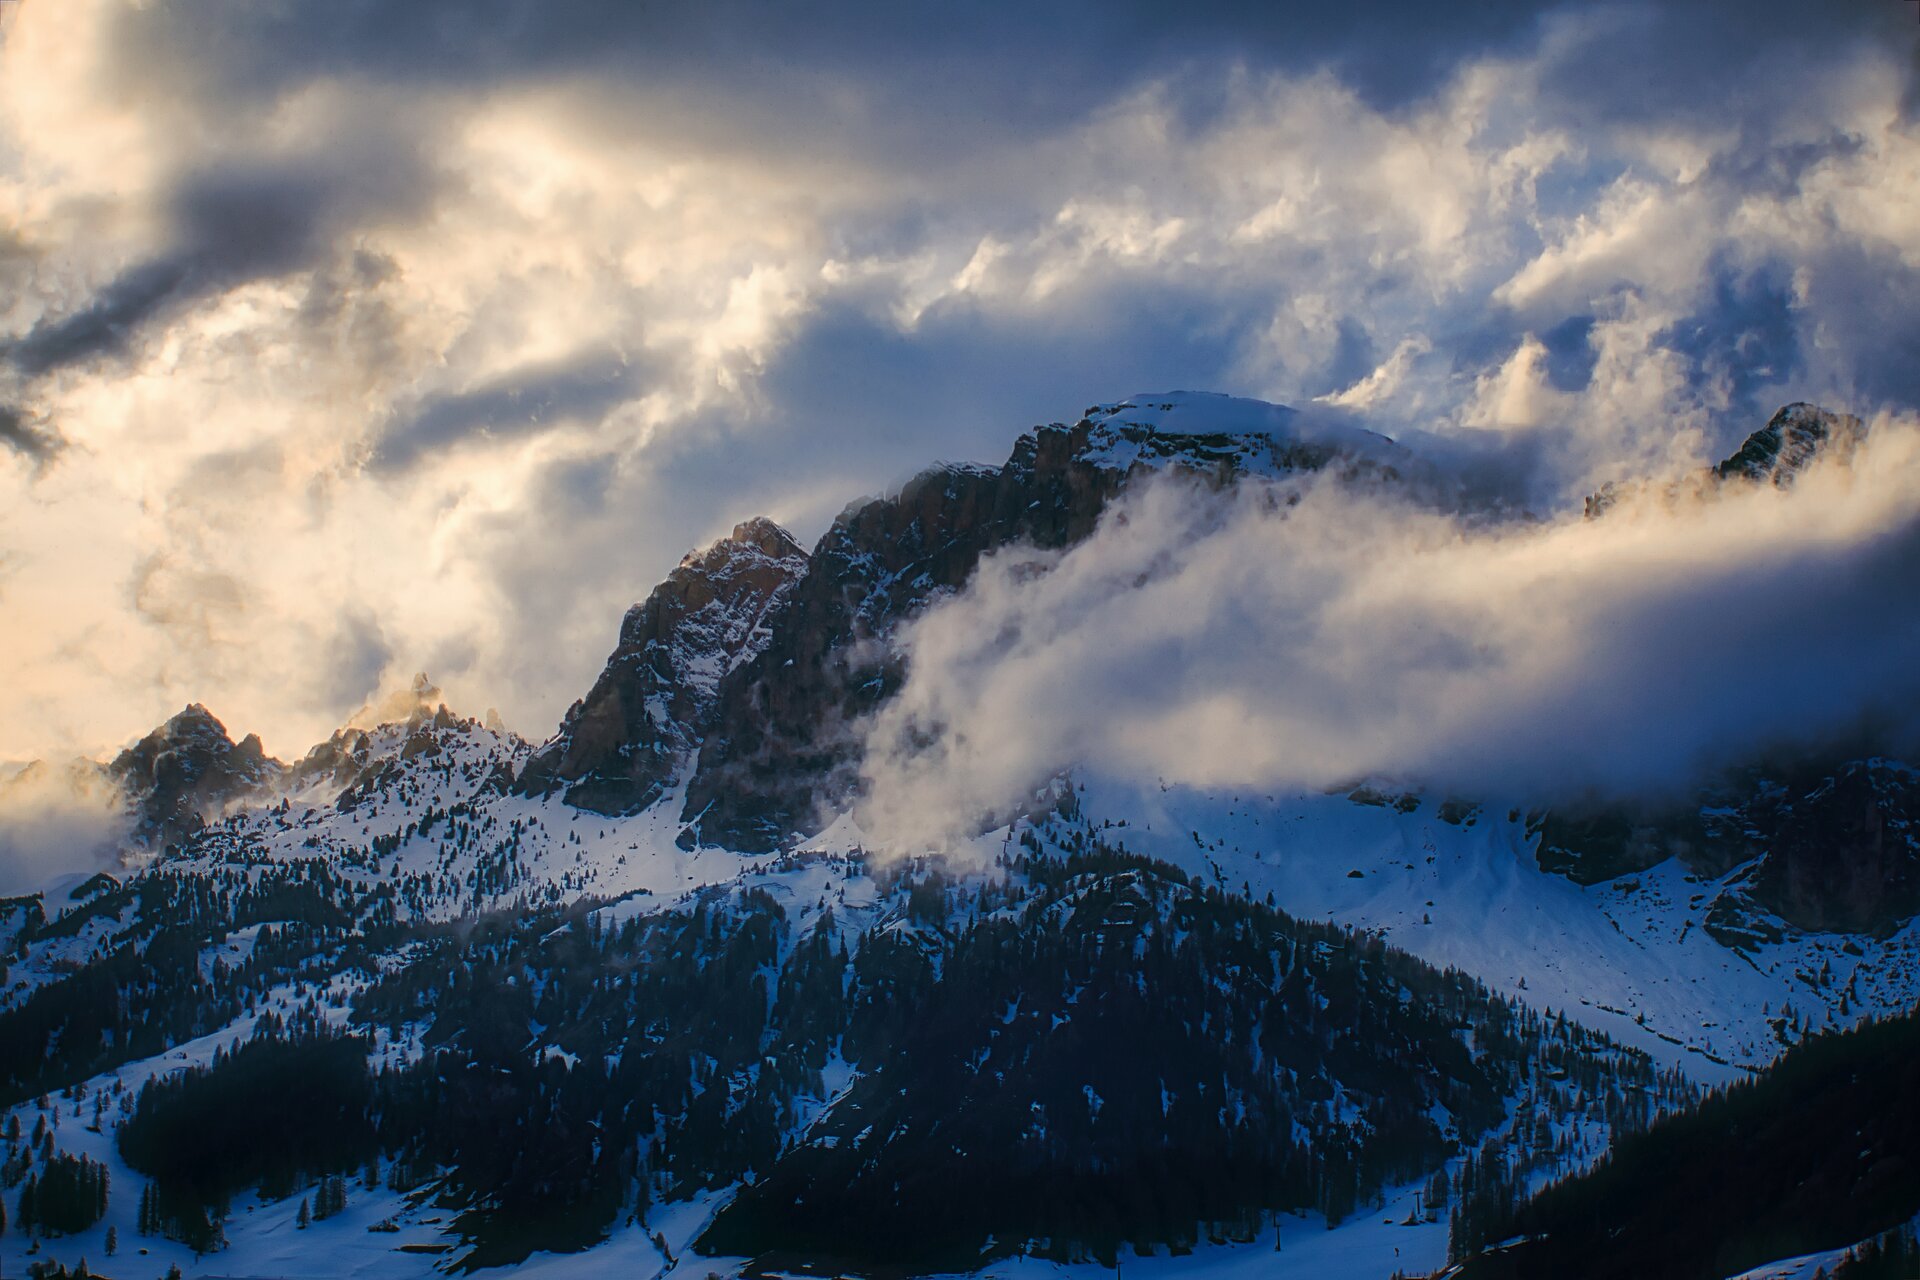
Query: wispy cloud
pixel 1318 632
pixel 57 819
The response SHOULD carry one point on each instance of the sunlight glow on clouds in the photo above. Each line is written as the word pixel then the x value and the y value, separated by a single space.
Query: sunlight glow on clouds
pixel 343 346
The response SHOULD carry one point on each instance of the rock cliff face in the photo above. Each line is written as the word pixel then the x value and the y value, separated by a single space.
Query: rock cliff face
pixel 184 770
pixel 631 738
pixel 1819 846
pixel 782 754
pixel 1823 849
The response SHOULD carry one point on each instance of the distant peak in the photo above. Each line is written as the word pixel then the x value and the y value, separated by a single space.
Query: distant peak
pixel 193 724
pixel 1790 442
pixel 193 716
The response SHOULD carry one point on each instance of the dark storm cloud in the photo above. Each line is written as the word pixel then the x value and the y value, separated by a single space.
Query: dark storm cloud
pixel 931 66
pixel 914 84
pixel 1030 64
pixel 231 223
pixel 525 401
pixel 105 324
pixel 33 441
pixel 1711 63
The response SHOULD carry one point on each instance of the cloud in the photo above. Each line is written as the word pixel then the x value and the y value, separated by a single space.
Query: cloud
pixel 34 442
pixel 56 820
pixel 471 319
pixel 579 387
pixel 1317 632
pixel 230 224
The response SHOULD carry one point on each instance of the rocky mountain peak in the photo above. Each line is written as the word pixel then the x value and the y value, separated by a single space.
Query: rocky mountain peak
pixel 759 534
pixel 781 757
pixel 1789 443
pixel 1776 453
pixel 194 722
pixel 184 770
pixel 623 745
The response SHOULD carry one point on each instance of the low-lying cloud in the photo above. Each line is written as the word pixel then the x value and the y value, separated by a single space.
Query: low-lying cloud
pixel 1315 632
pixel 56 820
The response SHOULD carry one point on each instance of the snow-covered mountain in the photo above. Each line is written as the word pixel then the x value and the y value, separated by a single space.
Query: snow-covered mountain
pixel 645 991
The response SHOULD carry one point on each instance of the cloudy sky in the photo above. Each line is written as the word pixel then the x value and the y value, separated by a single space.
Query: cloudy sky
pixel 346 338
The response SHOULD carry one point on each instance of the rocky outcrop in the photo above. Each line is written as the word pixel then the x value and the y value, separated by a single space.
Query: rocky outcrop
pixel 1828 846
pixel 1788 444
pixel 631 738
pixel 186 770
pixel 1606 842
pixel 1823 849
pixel 783 752
pixel 1775 454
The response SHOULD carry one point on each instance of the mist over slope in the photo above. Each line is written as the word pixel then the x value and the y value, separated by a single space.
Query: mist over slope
pixel 1320 629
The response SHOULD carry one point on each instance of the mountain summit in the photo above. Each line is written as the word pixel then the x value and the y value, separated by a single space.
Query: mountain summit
pixel 1789 443
pixel 781 758
pixel 620 747
pixel 184 770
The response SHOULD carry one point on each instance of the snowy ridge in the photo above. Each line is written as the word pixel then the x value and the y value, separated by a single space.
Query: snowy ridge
pixel 1249 437
pixel 1606 955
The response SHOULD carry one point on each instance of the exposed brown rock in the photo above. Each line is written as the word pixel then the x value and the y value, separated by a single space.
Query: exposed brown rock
pixel 623 745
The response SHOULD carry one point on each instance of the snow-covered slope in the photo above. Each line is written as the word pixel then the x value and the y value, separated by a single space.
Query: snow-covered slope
pixel 1200 430
pixel 1462 887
